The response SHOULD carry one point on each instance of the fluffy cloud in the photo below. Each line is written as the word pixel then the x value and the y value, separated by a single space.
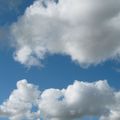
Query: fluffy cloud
pixel 21 101
pixel 78 100
pixel 86 30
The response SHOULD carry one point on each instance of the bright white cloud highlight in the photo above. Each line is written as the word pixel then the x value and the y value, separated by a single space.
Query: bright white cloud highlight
pixel 78 100
pixel 86 30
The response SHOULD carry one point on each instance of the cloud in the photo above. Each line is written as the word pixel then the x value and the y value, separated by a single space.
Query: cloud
pixel 78 100
pixel 114 113
pixel 86 30
pixel 21 101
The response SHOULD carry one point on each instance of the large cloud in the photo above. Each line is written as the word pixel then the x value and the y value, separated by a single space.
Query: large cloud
pixel 86 30
pixel 78 100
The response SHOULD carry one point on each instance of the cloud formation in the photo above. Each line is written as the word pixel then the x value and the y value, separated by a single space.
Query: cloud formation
pixel 20 103
pixel 78 100
pixel 86 30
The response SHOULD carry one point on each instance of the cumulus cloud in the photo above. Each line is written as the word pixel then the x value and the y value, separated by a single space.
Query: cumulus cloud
pixel 86 30
pixel 21 101
pixel 78 100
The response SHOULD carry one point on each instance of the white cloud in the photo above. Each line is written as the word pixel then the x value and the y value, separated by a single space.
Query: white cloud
pixel 86 30
pixel 21 101
pixel 78 100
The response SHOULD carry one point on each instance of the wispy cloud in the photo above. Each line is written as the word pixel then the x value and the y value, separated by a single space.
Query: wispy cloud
pixel 76 101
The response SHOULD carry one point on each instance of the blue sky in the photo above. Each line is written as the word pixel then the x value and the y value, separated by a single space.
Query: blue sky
pixel 58 70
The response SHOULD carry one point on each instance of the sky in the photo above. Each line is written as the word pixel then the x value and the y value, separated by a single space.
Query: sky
pixel 60 60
